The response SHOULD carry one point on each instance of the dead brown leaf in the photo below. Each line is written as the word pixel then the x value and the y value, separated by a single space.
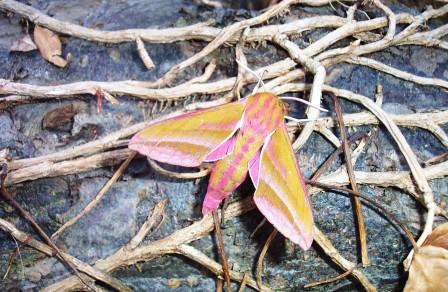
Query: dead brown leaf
pixel 60 118
pixel 49 46
pixel 438 237
pixel 24 44
pixel 429 269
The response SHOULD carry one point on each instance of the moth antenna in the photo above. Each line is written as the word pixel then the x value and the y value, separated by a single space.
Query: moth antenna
pixel 260 80
pixel 255 90
pixel 303 101
pixel 299 120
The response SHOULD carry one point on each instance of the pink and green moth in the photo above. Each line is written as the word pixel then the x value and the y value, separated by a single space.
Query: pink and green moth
pixel 246 136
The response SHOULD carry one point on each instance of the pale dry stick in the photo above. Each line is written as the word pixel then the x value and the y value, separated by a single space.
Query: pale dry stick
pixel 12 100
pixel 430 121
pixel 103 144
pixel 181 175
pixel 152 220
pixel 427 121
pixel 302 101
pixel 90 87
pixel 107 142
pixel 397 73
pixel 206 104
pixel 436 159
pixel 338 53
pixel 214 4
pixel 409 155
pixel 109 97
pixel 334 255
pixel 118 173
pixel 51 169
pixel 135 88
pixel 199 31
pixel 351 12
pixel 327 134
pixel 319 72
pixel 420 20
pixel 32 171
pixel 241 60
pixel 397 179
pixel 389 39
pixel 167 245
pixel 116 88
pixel 220 39
pixel 10 200
pixel 360 148
pixel 428 38
pixel 408 31
pixel 399 39
pixel 348 29
pixel 143 53
pixel 46 249
pixel 392 20
pixel 166 35
pixel 206 75
pixel 197 256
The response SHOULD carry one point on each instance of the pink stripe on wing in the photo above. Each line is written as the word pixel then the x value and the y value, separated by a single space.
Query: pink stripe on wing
pixel 188 137
pixel 295 232
pixel 166 155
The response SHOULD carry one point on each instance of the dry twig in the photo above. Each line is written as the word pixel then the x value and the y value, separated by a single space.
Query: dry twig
pixel 98 196
pixel 327 281
pixel 46 249
pixel 316 58
pixel 351 175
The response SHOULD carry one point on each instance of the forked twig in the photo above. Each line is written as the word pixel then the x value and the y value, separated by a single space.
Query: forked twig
pixel 27 216
pixel 97 197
